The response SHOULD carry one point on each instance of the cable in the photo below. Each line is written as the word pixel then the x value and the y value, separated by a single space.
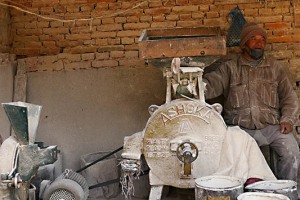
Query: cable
pixel 72 20
pixel 98 160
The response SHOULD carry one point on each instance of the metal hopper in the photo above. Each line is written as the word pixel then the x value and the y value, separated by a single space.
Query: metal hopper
pixel 203 44
pixel 24 118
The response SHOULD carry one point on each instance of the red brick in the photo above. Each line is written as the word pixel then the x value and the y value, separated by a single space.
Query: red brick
pixel 189 23
pixel 114 41
pixel 108 20
pixel 85 8
pixel 69 57
pixel 280 39
pixel 159 18
pixel 126 5
pixel 127 40
pixel 110 27
pixel 54 31
pixel 59 8
pixel 132 19
pixel 131 47
pixel 50 44
pixel 214 22
pixel 32 44
pixel 110 48
pixel 135 26
pixel 281 11
pixel 182 2
pixel 281 32
pixel 78 36
pixel 289 19
pixel 204 8
pixel 89 42
pixel 29 32
pixel 80 49
pixel 172 17
pixel 99 34
pixel 133 12
pixel 52 37
pixel 102 56
pixel 49 50
pixel 82 23
pixel 78 15
pixel 198 15
pixel 43 24
pixel 80 30
pixel 39 4
pixel 186 17
pixel 184 9
pixel 120 19
pixel 88 56
pixel 163 24
pixel 26 51
pixel 153 4
pixel 115 6
pixel 210 15
pixel 131 54
pixel 268 19
pixel 101 42
pixel 55 24
pixel 129 33
pixel 279 46
pixel 200 2
pixel 279 25
pixel 78 65
pixel 251 12
pixel 131 62
pixel 73 8
pixel 157 11
pixel 117 54
pixel 104 63
pixel 31 25
pixel 265 11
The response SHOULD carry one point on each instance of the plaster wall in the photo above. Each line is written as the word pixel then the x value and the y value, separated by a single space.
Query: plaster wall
pixel 7 73
pixel 88 111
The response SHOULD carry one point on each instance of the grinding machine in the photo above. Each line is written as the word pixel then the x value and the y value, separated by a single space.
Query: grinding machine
pixel 20 156
pixel 183 138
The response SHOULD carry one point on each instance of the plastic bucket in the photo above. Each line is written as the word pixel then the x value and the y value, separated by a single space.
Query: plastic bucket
pixel 218 188
pixel 261 196
pixel 284 187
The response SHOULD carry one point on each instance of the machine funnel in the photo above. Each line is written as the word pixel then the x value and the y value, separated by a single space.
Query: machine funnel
pixel 24 119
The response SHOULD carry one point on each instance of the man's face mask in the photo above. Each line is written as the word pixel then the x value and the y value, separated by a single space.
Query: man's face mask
pixel 256 53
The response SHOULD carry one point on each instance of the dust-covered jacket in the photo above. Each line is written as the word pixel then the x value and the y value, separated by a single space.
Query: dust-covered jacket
pixel 254 96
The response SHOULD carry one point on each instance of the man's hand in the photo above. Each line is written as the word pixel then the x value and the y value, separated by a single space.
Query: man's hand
pixel 285 127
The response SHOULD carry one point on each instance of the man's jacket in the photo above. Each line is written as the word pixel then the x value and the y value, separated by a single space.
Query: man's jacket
pixel 254 96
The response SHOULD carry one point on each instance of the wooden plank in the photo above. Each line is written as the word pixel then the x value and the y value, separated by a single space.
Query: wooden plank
pixel 196 46
pixel 20 86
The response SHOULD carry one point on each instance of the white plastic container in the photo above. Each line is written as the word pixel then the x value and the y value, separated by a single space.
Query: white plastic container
pixel 284 187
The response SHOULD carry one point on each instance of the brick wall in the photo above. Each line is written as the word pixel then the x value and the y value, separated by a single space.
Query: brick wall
pixel 4 24
pixel 111 38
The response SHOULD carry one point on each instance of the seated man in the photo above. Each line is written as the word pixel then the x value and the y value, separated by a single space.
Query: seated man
pixel 259 98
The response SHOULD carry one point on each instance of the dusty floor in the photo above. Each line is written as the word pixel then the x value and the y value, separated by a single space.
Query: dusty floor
pixel 170 194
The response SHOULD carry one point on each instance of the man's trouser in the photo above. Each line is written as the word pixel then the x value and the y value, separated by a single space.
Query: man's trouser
pixel 286 147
